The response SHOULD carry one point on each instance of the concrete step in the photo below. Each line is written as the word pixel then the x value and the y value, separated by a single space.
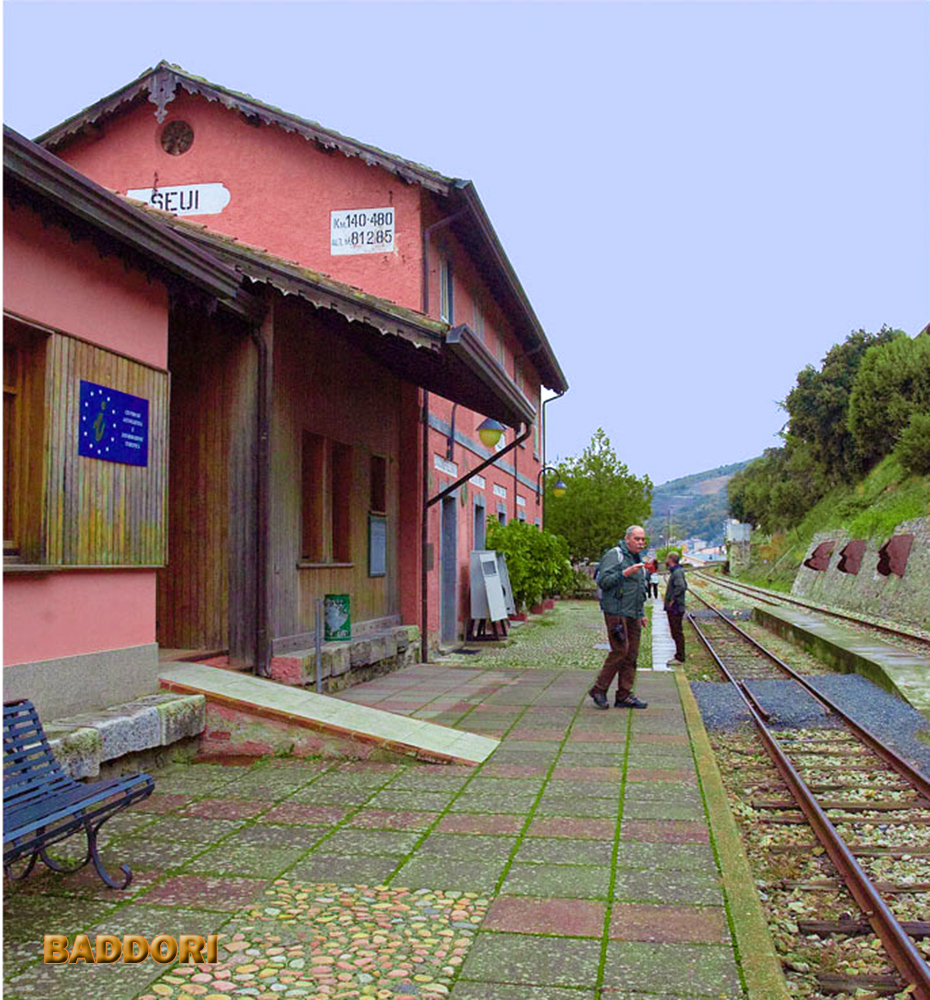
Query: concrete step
pixel 83 742
pixel 267 699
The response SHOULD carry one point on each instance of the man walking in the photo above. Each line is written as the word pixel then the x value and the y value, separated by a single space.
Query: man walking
pixel 622 577
pixel 675 605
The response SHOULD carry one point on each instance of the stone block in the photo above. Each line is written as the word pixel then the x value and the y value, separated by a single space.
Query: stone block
pixel 360 652
pixel 79 751
pixel 336 660
pixel 402 638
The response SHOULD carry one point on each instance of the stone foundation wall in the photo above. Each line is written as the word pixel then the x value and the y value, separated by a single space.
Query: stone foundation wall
pixel 903 599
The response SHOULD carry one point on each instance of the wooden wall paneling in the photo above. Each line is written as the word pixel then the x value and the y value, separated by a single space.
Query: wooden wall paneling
pixel 193 588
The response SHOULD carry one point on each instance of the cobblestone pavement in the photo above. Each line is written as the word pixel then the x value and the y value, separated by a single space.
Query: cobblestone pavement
pixel 575 863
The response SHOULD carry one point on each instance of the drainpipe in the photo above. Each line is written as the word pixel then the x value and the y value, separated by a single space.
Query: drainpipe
pixel 424 513
pixel 263 499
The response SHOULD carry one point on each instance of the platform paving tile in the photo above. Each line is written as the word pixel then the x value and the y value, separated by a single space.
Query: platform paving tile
pixel 479 823
pixel 392 819
pixel 245 859
pixel 348 842
pixel 533 961
pixel 668 886
pixel 670 924
pixel 675 857
pixel 579 881
pixel 637 809
pixel 564 851
pixel 462 847
pixel 347 871
pixel 686 970
pixel 422 872
pixel 546 915
pixel 468 990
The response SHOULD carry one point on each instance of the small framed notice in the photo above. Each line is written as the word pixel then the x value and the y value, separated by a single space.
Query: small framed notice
pixel 377 545
pixel 112 426
pixel 362 230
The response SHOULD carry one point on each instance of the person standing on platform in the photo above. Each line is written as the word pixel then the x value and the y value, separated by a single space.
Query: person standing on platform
pixel 623 579
pixel 654 582
pixel 675 591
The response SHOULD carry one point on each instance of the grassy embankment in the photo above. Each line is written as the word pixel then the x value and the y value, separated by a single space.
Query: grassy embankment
pixel 870 509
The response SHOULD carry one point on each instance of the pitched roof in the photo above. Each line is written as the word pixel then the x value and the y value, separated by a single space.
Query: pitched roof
pixel 159 85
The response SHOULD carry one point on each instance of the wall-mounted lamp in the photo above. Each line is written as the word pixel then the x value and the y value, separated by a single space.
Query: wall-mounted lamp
pixel 490 432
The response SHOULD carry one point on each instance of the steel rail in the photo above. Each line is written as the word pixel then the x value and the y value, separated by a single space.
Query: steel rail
pixel 905 769
pixel 773 598
pixel 900 948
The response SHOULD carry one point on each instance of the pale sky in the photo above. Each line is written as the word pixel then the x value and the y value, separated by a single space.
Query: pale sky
pixel 699 199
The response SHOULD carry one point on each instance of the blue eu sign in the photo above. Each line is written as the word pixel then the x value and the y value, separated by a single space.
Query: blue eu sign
pixel 114 426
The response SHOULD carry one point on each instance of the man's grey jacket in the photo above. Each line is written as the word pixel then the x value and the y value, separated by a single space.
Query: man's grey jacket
pixel 621 595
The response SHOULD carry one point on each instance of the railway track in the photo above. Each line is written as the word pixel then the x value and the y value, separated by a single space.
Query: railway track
pixel 863 802
pixel 775 598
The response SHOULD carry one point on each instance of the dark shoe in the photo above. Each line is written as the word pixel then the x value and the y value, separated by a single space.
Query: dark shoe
pixel 600 699
pixel 631 701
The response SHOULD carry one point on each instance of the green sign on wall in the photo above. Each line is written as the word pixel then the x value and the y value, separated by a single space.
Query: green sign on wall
pixel 337 614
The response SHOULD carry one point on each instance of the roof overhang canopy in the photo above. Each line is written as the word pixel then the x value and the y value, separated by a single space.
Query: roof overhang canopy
pixel 453 363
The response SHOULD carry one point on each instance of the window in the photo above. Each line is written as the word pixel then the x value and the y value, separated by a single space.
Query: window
pixel 326 499
pixel 313 492
pixel 341 502
pixel 481 525
pixel 378 487
pixel 479 319
pixel 446 305
pixel 23 440
pixel 501 356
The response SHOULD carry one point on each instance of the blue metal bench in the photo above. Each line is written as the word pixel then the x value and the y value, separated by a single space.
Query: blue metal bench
pixel 43 805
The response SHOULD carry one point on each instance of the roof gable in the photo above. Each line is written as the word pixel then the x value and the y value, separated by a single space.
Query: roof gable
pixel 159 86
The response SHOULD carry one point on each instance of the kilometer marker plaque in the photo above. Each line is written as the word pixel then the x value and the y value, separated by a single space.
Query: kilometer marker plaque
pixel 362 230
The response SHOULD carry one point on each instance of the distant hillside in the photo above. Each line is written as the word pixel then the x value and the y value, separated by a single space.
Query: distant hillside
pixel 698 504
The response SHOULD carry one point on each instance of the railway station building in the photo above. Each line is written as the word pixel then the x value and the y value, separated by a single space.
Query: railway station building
pixel 317 358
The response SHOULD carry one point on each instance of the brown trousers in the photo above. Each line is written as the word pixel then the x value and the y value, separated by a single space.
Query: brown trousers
pixel 621 660
pixel 678 633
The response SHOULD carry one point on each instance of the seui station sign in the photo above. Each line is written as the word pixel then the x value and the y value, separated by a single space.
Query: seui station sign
pixel 185 199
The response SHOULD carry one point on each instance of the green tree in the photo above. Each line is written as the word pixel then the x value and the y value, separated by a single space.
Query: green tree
pixel 892 384
pixel 818 405
pixel 602 500
pixel 913 447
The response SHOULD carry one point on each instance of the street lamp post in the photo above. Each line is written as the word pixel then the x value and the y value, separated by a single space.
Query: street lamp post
pixel 558 490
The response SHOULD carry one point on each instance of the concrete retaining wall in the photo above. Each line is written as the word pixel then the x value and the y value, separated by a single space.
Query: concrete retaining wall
pixel 905 599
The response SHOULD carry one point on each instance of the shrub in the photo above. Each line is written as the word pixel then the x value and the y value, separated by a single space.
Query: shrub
pixel 913 447
pixel 537 560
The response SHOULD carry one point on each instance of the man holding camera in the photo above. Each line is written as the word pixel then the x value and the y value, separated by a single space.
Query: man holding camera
pixel 622 578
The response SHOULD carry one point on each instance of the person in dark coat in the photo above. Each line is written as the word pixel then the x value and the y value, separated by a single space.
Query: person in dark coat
pixel 622 577
pixel 675 591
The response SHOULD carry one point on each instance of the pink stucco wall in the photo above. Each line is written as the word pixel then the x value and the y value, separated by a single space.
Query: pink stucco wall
pixel 65 285
pixel 282 189
pixel 46 616
pixel 49 279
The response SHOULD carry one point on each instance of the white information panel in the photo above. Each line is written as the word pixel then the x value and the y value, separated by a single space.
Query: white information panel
pixel 487 593
pixel 362 230
pixel 185 199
